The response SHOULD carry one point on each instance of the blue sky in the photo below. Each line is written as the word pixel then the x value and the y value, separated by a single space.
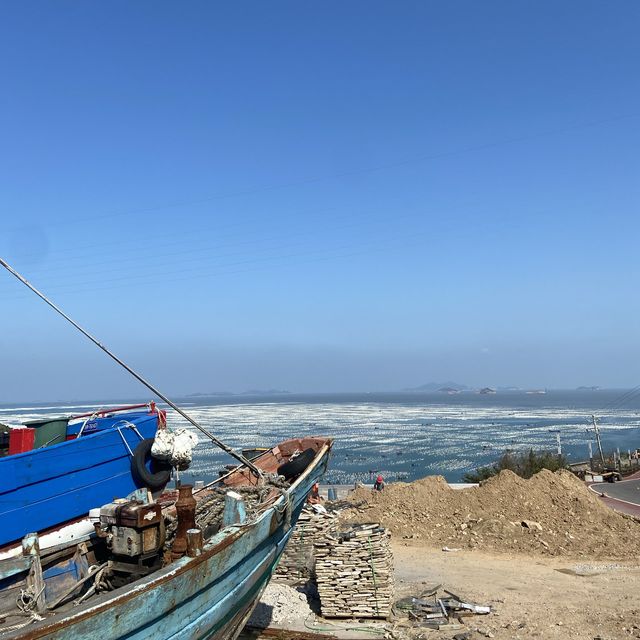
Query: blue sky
pixel 319 196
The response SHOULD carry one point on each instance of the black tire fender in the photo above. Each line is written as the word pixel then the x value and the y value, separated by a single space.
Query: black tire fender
pixel 157 474
pixel 295 467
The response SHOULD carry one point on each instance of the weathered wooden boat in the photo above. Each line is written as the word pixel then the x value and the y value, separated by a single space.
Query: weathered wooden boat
pixel 128 582
pixel 96 457
pixel 131 579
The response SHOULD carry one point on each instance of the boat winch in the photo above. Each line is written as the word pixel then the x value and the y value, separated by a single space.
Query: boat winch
pixel 132 529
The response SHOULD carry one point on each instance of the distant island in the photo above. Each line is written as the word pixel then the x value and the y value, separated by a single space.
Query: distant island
pixel 265 392
pixel 594 388
pixel 210 394
pixel 487 390
pixel 249 392
pixel 442 387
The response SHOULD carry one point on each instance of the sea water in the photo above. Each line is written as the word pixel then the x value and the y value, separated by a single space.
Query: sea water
pixel 402 436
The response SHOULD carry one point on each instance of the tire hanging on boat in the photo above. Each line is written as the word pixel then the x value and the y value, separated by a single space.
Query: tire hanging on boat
pixel 295 467
pixel 157 474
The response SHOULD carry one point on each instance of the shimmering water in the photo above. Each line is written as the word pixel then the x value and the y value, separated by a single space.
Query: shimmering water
pixel 402 436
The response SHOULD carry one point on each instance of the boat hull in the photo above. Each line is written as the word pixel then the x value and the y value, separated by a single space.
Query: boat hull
pixel 52 485
pixel 210 596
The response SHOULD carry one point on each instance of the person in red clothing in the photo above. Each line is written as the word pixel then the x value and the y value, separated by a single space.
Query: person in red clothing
pixel 314 496
pixel 378 485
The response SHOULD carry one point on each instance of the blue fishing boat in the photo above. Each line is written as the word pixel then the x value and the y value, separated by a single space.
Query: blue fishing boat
pixel 208 593
pixel 179 566
pixel 96 457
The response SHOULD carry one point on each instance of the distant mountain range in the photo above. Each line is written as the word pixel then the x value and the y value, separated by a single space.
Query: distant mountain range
pixel 249 392
pixel 448 387
pixel 455 387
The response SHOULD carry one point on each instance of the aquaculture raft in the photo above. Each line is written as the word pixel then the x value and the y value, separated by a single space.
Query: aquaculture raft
pixel 354 573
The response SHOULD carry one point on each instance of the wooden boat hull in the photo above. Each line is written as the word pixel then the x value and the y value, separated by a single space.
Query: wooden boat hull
pixel 210 596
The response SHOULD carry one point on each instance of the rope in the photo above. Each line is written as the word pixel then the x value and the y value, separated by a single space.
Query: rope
pixel 211 508
pixel 27 599
pixel 84 424
pixel 14 627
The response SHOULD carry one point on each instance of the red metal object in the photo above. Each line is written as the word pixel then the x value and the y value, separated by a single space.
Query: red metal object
pixel 149 405
pixel 186 511
pixel 21 440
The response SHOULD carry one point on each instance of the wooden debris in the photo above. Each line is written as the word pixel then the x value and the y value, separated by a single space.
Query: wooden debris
pixel 298 558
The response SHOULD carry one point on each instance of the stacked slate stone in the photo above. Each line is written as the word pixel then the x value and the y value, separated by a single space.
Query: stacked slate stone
pixel 354 573
pixel 296 563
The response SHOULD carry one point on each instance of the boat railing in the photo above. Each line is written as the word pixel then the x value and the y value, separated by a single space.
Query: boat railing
pixel 102 412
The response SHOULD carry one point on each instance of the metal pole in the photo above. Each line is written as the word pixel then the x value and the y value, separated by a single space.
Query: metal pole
pixel 558 442
pixel 597 431
pixel 136 375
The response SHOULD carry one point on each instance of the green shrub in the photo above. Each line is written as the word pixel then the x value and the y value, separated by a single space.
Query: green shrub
pixel 522 463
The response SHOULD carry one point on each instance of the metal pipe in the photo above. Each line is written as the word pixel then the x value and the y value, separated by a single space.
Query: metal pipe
pixel 112 410
pixel 136 375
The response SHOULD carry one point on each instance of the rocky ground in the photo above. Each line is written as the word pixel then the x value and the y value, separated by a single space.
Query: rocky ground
pixel 281 605
pixel 550 558
pixel 531 597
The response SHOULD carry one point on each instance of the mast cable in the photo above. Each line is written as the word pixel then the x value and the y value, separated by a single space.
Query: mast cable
pixel 136 375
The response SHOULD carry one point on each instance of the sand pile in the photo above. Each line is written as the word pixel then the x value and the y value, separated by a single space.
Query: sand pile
pixel 552 514
pixel 281 605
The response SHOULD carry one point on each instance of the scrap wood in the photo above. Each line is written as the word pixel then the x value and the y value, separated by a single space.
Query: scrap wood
pixel 287 634
pixel 354 573
pixel 296 563
pixel 455 604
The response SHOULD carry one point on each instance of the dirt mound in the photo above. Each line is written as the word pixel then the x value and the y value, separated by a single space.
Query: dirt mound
pixel 552 513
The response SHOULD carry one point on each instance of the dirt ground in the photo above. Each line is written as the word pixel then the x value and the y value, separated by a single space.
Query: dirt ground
pixel 549 515
pixel 547 554
pixel 531 597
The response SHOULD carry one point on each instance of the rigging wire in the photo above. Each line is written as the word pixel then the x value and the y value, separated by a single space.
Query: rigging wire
pixel 137 376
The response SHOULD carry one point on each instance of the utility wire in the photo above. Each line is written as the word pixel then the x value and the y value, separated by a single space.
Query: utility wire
pixel 151 246
pixel 261 265
pixel 358 171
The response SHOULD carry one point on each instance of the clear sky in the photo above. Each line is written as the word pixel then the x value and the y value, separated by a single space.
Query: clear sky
pixel 320 196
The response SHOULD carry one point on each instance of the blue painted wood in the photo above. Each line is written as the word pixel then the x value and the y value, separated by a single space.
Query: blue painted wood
pixel 194 598
pixel 14 566
pixel 45 487
pixel 235 511
pixel 60 578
